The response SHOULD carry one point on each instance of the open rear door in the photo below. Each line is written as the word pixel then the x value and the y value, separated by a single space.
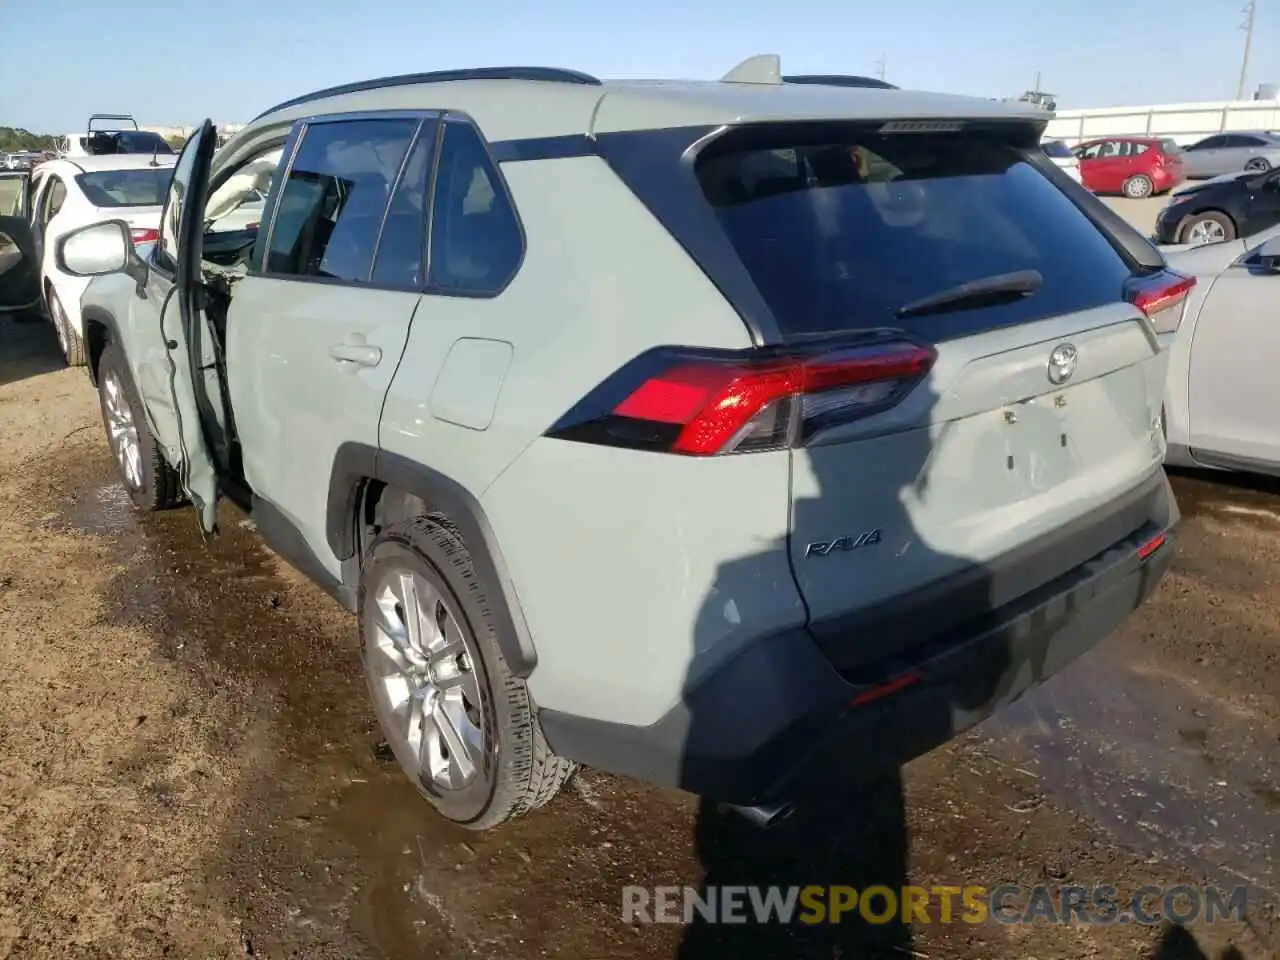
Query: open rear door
pixel 178 392
pixel 19 265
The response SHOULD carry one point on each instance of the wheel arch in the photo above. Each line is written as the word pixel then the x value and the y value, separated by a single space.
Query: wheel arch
pixel 363 477
pixel 100 328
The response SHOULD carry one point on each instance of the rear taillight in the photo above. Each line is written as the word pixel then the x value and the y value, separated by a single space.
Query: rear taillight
pixel 704 403
pixel 1161 297
pixel 143 235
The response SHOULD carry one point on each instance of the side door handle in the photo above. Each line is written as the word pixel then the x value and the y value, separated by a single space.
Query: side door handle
pixel 356 352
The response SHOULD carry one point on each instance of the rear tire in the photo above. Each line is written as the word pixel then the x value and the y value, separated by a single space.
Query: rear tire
pixel 151 483
pixel 1210 226
pixel 70 342
pixel 445 680
pixel 1138 187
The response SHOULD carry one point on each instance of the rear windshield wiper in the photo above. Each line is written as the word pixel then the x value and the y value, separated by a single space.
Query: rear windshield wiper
pixel 986 291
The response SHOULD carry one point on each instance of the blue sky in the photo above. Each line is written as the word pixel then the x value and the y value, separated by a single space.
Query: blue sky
pixel 176 63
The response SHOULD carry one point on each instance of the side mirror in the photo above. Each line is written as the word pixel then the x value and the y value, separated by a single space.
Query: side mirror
pixel 1269 255
pixel 96 250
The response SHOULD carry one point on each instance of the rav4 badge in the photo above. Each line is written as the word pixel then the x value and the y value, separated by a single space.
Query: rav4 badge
pixel 823 548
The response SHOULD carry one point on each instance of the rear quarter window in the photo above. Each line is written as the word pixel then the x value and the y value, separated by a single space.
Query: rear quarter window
pixel 839 234
pixel 1170 147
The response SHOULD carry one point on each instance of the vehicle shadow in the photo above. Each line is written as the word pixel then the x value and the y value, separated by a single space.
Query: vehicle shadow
pixel 1230 479
pixel 849 828
pixel 28 348
pixel 1177 943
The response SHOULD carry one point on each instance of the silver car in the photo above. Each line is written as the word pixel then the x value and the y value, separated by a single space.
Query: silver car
pixel 1222 389
pixel 1225 153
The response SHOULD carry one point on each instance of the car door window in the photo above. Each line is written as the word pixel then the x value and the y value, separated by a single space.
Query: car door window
pixel 1091 151
pixel 402 245
pixel 477 242
pixel 55 196
pixel 1209 143
pixel 332 204
pixel 1109 149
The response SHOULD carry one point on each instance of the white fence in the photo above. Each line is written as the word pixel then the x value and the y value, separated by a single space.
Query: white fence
pixel 1183 122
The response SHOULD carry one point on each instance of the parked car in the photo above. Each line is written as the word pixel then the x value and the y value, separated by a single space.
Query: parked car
pixel 60 195
pixel 1225 153
pixel 1222 391
pixel 1237 205
pixel 1134 166
pixel 1061 154
pixel 628 449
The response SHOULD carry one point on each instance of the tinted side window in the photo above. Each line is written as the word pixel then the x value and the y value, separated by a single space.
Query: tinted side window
pixel 402 246
pixel 476 239
pixel 55 196
pixel 331 207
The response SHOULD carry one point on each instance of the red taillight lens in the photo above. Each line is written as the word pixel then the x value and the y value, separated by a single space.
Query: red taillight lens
pixel 706 404
pixel 143 235
pixel 1151 546
pixel 1161 297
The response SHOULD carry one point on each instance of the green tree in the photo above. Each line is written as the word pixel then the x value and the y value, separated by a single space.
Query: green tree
pixel 15 140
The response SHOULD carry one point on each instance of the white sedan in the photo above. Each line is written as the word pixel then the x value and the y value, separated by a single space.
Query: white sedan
pixel 1221 393
pixel 69 193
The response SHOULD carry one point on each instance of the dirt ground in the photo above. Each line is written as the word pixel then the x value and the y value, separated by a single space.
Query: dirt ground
pixel 189 769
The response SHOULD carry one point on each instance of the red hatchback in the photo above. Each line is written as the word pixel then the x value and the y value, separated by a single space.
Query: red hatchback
pixel 1134 166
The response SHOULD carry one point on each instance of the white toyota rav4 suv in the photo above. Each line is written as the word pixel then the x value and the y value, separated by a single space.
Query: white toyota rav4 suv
pixel 721 434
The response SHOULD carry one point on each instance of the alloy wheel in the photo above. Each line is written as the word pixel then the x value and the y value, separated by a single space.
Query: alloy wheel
pixel 122 430
pixel 427 695
pixel 59 323
pixel 1205 231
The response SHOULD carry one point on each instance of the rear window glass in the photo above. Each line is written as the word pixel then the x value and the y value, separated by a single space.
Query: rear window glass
pixel 1170 146
pixel 839 235
pixel 126 188
pixel 1056 149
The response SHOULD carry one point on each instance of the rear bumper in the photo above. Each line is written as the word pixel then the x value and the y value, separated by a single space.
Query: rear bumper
pixel 779 719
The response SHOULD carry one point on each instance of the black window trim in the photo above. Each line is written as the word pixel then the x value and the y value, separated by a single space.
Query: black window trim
pixel 257 262
pixel 460 118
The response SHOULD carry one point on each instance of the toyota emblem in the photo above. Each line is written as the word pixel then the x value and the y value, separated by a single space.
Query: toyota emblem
pixel 1062 363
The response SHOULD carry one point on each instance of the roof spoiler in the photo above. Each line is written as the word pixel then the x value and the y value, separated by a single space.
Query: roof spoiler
pixel 763 68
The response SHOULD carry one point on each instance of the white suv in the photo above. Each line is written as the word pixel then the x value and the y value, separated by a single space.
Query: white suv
pixel 716 433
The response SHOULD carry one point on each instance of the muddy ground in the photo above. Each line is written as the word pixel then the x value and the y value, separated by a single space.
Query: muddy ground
pixel 188 766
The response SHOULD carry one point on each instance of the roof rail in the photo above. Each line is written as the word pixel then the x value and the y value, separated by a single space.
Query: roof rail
pixel 762 68
pixel 538 74
pixel 840 80
pixel 110 116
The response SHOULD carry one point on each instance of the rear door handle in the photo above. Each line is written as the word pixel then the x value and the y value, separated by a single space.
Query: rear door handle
pixel 360 354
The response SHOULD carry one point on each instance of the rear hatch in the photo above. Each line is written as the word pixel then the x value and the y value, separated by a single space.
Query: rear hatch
pixel 1014 393
pixel 1172 156
pixel 135 196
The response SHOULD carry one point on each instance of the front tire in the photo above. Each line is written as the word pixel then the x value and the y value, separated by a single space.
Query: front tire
pixel 1258 165
pixel 151 483
pixel 70 342
pixel 459 722
pixel 1210 226
pixel 1138 187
